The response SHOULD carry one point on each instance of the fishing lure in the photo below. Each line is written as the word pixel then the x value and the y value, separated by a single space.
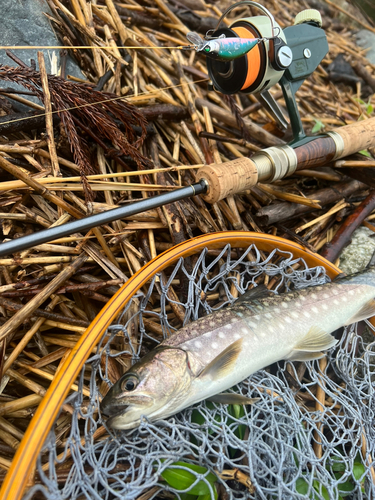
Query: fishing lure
pixel 226 49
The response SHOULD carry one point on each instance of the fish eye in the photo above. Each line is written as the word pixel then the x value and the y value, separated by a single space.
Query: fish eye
pixel 129 383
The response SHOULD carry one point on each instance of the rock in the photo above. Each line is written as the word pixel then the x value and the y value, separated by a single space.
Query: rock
pixel 366 40
pixel 24 23
pixel 358 253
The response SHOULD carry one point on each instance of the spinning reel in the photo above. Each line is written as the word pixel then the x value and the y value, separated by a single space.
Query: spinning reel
pixel 254 53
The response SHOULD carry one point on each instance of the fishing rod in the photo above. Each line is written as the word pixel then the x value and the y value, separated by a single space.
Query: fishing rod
pixel 249 56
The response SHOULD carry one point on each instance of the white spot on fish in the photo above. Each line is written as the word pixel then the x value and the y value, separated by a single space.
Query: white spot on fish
pixel 233 320
pixel 262 334
pixel 314 296
pixel 214 345
pixel 260 308
pixel 198 344
pixel 239 314
pixel 268 315
pixel 325 307
pixel 228 327
pixel 351 292
pixel 246 344
pixel 211 323
pixel 271 329
pixel 245 330
pixel 319 288
pixel 314 309
pixel 294 314
pixel 336 302
pixel 221 335
pixel 288 320
pixel 345 299
pixel 335 291
pixel 306 314
pixel 251 325
pixel 284 304
pixel 325 296
pixel 298 303
pixel 277 310
pixel 303 298
pixel 208 334
pixel 237 336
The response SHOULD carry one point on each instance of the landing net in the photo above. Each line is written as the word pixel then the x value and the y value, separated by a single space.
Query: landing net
pixel 310 435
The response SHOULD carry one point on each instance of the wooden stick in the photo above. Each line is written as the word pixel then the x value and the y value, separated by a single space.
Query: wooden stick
pixel 342 238
pixel 48 115
pixel 15 321
pixel 39 188
pixel 339 206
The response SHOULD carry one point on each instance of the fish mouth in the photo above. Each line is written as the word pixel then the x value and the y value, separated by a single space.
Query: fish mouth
pixel 114 411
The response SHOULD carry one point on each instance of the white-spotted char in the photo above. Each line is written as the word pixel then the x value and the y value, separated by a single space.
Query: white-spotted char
pixel 218 351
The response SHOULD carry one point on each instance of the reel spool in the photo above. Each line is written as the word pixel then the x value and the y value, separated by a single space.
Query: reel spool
pixel 263 66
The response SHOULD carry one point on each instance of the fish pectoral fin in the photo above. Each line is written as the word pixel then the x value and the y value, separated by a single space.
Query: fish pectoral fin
pixel 365 312
pixel 258 292
pixel 315 340
pixel 229 398
pixel 224 362
pixel 305 355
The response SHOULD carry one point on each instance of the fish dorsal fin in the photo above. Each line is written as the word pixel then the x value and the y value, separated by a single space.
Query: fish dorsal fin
pixel 365 312
pixel 259 292
pixel 229 398
pixel 315 340
pixel 224 362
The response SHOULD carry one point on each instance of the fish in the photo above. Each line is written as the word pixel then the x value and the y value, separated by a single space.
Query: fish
pixel 218 351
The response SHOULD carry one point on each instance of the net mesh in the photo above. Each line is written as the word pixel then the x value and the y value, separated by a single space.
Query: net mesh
pixel 310 434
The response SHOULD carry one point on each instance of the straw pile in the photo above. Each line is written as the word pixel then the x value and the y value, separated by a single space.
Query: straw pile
pixel 97 157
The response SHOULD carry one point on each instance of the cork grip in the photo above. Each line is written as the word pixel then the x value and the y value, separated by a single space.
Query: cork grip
pixel 226 179
pixel 357 136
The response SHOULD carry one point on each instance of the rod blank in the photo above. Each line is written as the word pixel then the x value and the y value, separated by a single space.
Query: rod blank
pixel 86 223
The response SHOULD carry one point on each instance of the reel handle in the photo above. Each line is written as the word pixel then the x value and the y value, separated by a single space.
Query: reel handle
pixel 271 164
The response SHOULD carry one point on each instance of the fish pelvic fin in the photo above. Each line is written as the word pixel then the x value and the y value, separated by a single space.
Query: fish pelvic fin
pixel 314 341
pixel 305 356
pixel 365 312
pixel 224 362
pixel 229 398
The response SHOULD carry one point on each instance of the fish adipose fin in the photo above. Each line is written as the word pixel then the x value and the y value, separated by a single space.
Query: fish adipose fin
pixel 258 292
pixel 310 346
pixel 224 362
pixel 365 312
pixel 229 398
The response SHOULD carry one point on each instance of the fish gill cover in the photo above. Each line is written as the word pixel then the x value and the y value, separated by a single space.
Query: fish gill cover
pixel 286 445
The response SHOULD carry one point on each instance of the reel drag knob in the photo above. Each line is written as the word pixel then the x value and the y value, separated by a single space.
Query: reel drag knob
pixel 309 16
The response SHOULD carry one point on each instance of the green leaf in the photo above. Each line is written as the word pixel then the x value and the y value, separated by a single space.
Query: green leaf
pixel 365 153
pixel 322 490
pixel 369 109
pixel 318 126
pixel 181 479
pixel 358 470
pixel 338 465
pixel 302 486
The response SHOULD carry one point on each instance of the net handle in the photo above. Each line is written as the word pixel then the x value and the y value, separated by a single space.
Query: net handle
pixel 24 461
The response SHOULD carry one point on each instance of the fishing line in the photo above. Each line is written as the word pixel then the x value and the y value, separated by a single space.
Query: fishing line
pixel 106 47
pixel 118 98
